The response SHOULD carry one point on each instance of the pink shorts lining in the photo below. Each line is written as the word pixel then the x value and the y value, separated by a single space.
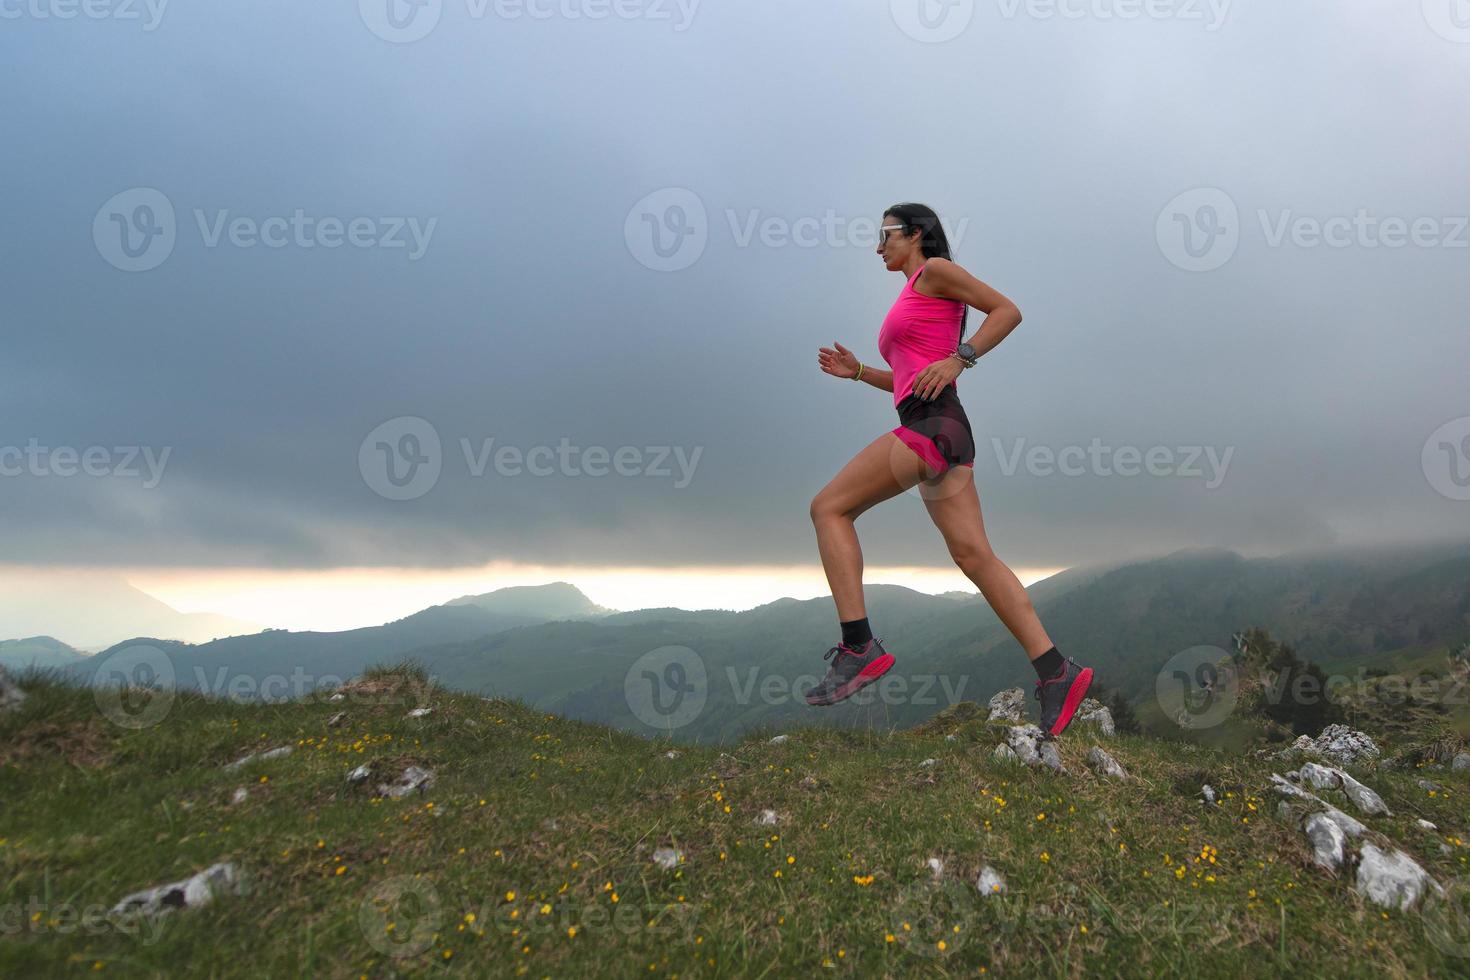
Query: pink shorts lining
pixel 926 449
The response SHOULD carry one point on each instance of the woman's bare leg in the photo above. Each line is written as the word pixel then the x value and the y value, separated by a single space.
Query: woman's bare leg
pixel 954 506
pixel 884 469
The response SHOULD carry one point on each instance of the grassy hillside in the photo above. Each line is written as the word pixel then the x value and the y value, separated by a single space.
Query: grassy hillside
pixel 532 852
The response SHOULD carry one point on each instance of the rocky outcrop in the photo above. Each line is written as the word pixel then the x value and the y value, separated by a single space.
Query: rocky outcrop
pixel 192 892
pixel 1104 764
pixel 1008 705
pixel 1338 743
pixel 413 779
pixel 1030 747
pixel 1095 713
pixel 1328 778
pixel 1392 879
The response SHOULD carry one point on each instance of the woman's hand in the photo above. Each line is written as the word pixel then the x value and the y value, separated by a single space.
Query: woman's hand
pixel 840 363
pixel 936 377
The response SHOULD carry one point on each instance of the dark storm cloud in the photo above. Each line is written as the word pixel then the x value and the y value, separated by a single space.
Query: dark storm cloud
pixel 679 416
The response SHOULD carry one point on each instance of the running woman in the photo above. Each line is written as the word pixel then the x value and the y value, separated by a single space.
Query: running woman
pixel 922 340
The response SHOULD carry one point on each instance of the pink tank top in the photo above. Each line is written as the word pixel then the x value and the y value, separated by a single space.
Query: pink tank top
pixel 918 331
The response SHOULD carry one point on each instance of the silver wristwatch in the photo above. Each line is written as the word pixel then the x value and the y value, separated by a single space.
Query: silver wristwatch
pixel 966 353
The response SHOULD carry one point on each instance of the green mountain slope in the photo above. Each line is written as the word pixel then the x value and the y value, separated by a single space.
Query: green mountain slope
pixel 533 851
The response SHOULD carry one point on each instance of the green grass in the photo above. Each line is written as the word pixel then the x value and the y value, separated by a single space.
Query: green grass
pixel 533 812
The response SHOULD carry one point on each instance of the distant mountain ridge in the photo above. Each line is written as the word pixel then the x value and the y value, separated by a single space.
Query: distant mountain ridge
pixel 553 647
pixel 38 651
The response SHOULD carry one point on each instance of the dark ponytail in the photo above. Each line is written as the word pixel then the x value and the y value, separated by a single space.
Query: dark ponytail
pixel 932 244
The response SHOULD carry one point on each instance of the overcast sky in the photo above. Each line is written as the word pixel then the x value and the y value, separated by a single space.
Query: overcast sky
pixel 1136 184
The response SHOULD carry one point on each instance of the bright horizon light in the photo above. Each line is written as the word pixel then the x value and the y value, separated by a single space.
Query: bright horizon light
pixel 348 598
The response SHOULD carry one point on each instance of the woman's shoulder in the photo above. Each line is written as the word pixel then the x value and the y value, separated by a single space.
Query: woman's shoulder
pixel 938 273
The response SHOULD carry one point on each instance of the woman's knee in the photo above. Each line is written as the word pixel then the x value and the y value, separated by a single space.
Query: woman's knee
pixel 971 555
pixel 823 507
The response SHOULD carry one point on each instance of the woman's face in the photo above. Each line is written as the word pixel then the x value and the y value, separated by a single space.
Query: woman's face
pixel 894 247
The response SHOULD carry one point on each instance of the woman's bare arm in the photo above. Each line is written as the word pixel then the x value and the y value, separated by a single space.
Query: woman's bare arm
pixel 840 362
pixel 877 377
pixel 949 280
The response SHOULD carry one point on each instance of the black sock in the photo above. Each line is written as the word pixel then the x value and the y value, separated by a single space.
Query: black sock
pixel 1048 665
pixel 856 633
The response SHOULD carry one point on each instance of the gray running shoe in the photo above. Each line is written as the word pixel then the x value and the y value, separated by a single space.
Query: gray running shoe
pixel 851 671
pixel 1061 695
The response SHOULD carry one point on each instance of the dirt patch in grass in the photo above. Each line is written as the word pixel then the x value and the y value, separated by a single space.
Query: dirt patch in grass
pixel 81 743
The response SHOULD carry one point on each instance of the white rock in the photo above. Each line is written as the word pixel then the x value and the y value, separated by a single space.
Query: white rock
pixel 767 817
pixel 1430 785
pixel 1008 705
pixel 780 739
pixel 1023 740
pixel 1208 792
pixel 1426 825
pixel 418 712
pixel 1050 757
pixel 240 795
pixel 11 695
pixel 1105 764
pixel 412 780
pixel 671 754
pixel 990 882
pixel 1329 843
pixel 339 696
pixel 927 763
pixel 360 774
pixel 1345 823
pixel 275 753
pixel 1461 762
pixel 951 738
pixel 1344 745
pixel 192 892
pixel 936 865
pixel 1327 777
pixel 667 857
pixel 1005 753
pixel 336 719
pixel 1392 880
pixel 1095 713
